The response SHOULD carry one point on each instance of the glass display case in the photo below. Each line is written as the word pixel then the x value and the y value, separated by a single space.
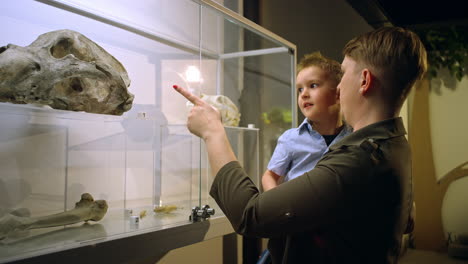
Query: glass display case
pixel 144 164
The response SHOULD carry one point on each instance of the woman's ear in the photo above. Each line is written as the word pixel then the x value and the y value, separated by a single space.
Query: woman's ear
pixel 337 96
pixel 367 79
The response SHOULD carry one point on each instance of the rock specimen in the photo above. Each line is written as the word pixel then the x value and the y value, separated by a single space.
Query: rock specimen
pixel 64 70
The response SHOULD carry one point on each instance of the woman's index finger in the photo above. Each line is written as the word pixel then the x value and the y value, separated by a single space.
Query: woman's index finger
pixel 190 96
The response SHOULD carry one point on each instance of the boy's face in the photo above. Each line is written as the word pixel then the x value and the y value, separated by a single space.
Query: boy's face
pixel 348 88
pixel 317 95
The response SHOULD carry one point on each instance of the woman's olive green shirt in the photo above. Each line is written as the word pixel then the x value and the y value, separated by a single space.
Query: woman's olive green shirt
pixel 352 208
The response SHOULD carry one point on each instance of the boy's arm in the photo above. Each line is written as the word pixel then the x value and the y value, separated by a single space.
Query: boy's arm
pixel 269 180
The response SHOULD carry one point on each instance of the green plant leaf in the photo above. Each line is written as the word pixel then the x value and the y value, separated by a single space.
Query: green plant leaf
pixel 447 47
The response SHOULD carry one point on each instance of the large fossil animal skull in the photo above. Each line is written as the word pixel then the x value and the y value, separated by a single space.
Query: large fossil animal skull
pixel 65 70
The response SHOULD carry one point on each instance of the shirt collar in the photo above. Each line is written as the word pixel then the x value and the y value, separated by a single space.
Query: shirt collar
pixel 385 129
pixel 304 126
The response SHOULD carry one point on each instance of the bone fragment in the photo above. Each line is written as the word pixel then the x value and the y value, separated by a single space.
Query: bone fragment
pixel 85 210
pixel 142 214
pixel 165 209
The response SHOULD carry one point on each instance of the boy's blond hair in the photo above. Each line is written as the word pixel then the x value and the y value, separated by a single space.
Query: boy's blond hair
pixel 396 55
pixel 317 59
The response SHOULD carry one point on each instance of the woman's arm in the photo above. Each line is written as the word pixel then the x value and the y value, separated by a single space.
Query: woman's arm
pixel 204 121
pixel 302 203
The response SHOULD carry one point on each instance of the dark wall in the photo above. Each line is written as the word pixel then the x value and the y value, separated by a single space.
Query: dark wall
pixel 313 25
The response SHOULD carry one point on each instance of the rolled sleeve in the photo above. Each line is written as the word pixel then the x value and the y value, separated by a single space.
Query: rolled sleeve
pixel 280 160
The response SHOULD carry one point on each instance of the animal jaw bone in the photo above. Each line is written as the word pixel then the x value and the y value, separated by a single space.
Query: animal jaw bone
pixel 85 210
pixel 64 70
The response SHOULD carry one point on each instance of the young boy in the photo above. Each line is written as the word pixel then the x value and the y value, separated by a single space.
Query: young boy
pixel 299 149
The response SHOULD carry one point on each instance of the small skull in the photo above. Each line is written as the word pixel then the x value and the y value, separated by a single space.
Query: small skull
pixel 229 112
pixel 64 70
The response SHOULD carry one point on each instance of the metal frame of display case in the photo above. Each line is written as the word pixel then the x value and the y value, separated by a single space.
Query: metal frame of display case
pixel 149 245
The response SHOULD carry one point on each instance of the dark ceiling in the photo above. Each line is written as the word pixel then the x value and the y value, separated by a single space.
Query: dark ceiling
pixel 412 13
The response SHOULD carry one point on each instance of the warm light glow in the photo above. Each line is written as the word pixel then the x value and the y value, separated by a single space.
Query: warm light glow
pixel 192 74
